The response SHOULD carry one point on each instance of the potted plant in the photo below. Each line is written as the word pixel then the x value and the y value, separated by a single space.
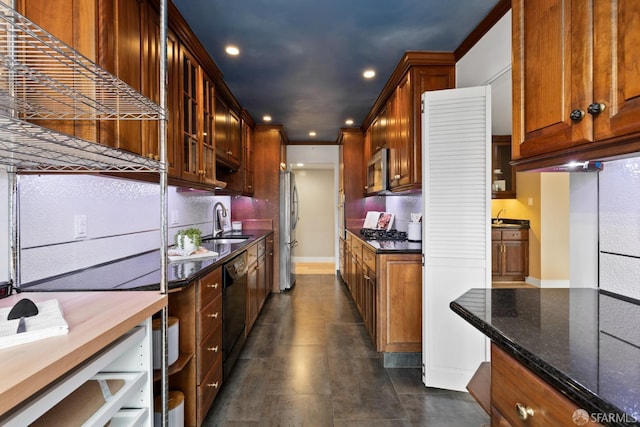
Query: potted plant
pixel 188 240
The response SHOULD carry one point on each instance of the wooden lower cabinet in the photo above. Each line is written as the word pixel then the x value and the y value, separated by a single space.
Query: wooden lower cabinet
pixel 198 371
pixel 509 254
pixel 258 283
pixel 387 290
pixel 521 398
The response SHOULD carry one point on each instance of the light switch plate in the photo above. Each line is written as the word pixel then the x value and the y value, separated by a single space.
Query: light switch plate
pixel 80 226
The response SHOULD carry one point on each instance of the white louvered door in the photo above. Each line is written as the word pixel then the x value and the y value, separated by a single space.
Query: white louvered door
pixel 456 241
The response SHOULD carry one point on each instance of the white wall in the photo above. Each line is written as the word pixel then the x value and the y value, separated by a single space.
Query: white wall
pixel 320 157
pixel 489 63
pixel 123 219
pixel 317 220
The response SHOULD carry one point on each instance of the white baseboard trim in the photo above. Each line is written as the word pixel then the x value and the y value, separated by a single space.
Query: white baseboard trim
pixel 313 260
pixel 548 283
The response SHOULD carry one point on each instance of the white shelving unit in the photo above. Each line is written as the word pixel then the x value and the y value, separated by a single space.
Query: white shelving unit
pixel 42 78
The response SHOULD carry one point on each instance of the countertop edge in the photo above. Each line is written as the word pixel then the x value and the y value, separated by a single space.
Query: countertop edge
pixel 573 390
pixel 51 358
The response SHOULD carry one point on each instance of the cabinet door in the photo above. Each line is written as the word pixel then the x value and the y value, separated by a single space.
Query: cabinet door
pixel 120 30
pixel 151 78
pixel 174 93
pixel 516 255
pixel 552 58
pixel 234 140
pixel 496 257
pixel 207 156
pixel 400 162
pixel 189 73
pixel 616 73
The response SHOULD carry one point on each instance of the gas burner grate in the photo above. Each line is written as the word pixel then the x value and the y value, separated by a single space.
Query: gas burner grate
pixel 374 234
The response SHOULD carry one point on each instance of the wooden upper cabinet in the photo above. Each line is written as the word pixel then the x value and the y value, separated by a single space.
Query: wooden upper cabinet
pixel 189 73
pixel 228 136
pixel 394 121
pixel 575 78
pixel 174 95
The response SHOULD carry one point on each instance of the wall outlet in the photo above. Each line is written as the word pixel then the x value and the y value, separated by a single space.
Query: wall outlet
pixel 175 217
pixel 530 201
pixel 80 226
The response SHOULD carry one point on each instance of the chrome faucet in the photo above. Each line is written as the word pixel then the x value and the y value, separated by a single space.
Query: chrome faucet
pixel 498 220
pixel 217 226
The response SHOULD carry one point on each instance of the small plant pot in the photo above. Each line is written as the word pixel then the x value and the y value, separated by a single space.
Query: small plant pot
pixel 186 244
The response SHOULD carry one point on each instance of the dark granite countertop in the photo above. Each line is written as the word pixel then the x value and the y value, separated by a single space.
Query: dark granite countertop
pixel 142 272
pixel 584 342
pixel 389 246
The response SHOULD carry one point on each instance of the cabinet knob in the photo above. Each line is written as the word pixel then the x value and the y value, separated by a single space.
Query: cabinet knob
pixel 524 412
pixel 396 177
pixel 229 152
pixel 595 108
pixel 214 315
pixel 576 115
pixel 213 349
pixel 213 285
pixel 214 385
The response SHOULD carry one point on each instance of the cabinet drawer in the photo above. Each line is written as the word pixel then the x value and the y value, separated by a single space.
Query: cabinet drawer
pixel 369 258
pixel 512 384
pixel 515 234
pixel 208 352
pixel 209 318
pixel 496 235
pixel 210 287
pixel 208 389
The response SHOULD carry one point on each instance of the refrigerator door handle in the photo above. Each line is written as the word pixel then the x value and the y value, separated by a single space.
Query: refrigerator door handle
pixel 294 215
pixel 294 244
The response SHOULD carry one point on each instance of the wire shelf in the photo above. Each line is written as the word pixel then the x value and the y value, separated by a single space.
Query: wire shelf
pixel 30 147
pixel 44 78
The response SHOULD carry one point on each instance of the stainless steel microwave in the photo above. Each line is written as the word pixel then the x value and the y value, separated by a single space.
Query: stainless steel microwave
pixel 378 172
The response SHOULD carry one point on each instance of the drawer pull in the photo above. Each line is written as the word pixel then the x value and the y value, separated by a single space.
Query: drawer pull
pixel 214 385
pixel 214 315
pixel 213 349
pixel 213 285
pixel 524 412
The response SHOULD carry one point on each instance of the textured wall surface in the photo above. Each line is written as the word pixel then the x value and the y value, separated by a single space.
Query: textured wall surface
pixel 620 227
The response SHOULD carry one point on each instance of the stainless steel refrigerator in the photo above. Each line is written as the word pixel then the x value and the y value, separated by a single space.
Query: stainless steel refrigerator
pixel 288 220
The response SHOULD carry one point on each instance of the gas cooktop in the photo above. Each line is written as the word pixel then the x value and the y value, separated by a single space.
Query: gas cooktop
pixel 375 234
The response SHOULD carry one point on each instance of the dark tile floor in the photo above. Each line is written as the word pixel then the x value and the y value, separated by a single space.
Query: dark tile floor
pixel 310 362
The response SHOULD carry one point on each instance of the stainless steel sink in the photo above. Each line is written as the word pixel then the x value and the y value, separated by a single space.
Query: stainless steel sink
pixel 223 240
pixel 228 238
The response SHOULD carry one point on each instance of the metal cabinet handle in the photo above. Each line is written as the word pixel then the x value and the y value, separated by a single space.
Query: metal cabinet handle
pixel 214 385
pixel 576 115
pixel 213 285
pixel 214 315
pixel 595 108
pixel 213 349
pixel 524 412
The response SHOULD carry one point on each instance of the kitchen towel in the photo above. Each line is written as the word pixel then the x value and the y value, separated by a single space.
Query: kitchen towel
pixel 48 322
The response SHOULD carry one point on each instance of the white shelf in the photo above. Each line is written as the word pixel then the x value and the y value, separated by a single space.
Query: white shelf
pixel 38 405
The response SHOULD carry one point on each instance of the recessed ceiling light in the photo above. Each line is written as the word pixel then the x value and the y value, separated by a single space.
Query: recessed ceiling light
pixel 368 74
pixel 348 122
pixel 266 118
pixel 232 50
pixel 299 165
pixel 312 133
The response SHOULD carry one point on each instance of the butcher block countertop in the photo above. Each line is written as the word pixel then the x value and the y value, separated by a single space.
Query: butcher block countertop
pixel 95 319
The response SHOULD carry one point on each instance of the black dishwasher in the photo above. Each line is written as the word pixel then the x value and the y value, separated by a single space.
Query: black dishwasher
pixel 234 307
